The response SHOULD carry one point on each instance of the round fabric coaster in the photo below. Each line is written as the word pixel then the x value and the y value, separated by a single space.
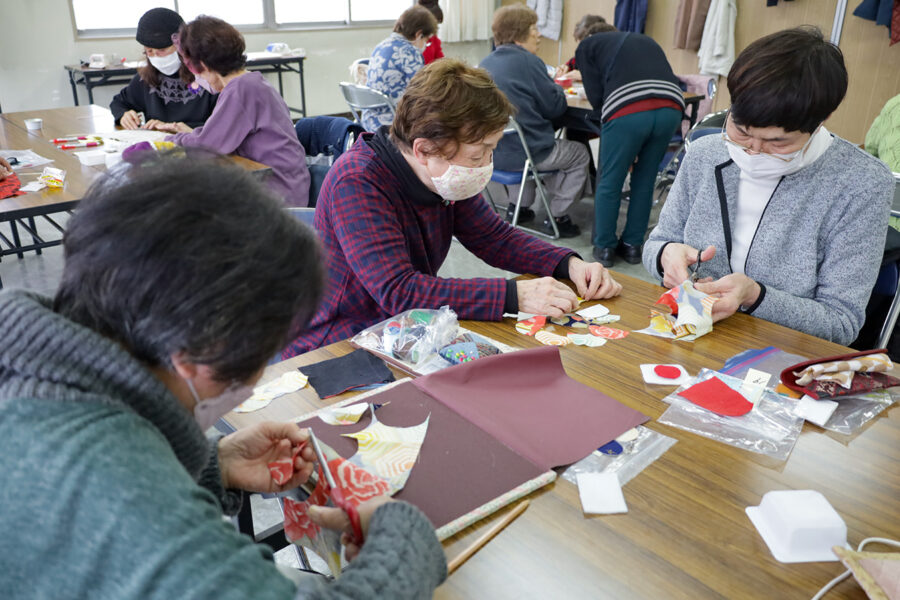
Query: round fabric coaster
pixel 667 372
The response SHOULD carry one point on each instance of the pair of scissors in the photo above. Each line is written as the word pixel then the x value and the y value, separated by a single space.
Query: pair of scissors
pixel 337 494
pixel 695 269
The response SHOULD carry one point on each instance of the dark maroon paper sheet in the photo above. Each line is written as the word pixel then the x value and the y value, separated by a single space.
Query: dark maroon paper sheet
pixel 459 468
pixel 526 400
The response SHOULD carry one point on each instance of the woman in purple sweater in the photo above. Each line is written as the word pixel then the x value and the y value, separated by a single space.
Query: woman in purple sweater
pixel 250 118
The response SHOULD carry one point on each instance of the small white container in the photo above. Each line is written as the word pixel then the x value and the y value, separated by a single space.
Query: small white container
pixel 91 158
pixel 33 124
pixel 799 526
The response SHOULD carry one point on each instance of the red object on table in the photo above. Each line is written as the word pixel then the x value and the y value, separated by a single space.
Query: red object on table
pixel 716 396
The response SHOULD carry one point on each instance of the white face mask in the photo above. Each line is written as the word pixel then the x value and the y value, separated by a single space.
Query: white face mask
pixel 167 65
pixel 767 166
pixel 207 412
pixel 459 183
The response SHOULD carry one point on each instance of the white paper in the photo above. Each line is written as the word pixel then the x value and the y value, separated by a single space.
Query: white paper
pixel 816 411
pixel 601 493
pixel 586 339
pixel 34 186
pixel 652 378
pixel 591 312
pixel 26 158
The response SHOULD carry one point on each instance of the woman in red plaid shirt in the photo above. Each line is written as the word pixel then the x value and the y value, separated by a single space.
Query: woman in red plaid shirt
pixel 390 206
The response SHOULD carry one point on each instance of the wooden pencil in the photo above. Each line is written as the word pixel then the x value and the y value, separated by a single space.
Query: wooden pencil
pixel 484 539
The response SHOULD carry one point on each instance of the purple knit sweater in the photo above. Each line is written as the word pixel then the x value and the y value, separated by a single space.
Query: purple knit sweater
pixel 252 120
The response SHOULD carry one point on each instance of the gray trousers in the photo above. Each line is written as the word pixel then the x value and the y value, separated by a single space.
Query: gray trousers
pixel 569 184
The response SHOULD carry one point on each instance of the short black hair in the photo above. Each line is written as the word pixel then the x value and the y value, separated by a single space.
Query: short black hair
pixel 192 255
pixel 791 79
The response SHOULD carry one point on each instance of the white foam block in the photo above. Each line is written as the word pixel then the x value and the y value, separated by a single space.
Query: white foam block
pixel 601 493
pixel 651 377
pixel 816 411
pixel 592 312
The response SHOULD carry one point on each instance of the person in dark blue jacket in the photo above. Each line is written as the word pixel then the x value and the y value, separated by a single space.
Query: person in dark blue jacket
pixel 523 77
pixel 633 90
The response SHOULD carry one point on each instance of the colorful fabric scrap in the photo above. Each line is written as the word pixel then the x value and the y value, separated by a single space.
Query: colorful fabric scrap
pixel 717 396
pixel 690 318
pixel 609 333
pixel 459 353
pixel 263 395
pixel 388 452
pixel 586 339
pixel 531 326
pixel 551 339
pixel 343 415
pixel 9 187
pixel 842 371
pixel 282 469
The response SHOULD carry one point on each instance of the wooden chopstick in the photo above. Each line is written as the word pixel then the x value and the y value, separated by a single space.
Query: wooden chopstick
pixel 488 535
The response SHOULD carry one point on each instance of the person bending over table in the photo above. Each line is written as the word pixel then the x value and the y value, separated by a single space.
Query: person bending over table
pixel 522 76
pixel 396 60
pixel 391 205
pixel 170 305
pixel 250 119
pixel 162 88
pixel 632 88
pixel 788 219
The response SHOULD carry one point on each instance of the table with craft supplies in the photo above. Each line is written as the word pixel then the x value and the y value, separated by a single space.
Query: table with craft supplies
pixel 686 533
pixel 21 211
pixel 119 75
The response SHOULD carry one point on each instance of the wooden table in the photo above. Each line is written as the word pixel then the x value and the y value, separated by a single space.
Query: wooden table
pixel 579 109
pixel 20 211
pixel 686 534
pixel 121 76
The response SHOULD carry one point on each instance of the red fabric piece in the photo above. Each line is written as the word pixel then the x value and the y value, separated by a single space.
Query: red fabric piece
pixel 9 187
pixel 644 106
pixel 895 23
pixel 531 326
pixel 297 523
pixel 668 299
pixel 432 50
pixel 282 469
pixel 667 372
pixel 714 395
pixel 610 333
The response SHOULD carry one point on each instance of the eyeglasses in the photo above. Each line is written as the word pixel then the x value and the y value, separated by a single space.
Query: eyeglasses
pixel 782 157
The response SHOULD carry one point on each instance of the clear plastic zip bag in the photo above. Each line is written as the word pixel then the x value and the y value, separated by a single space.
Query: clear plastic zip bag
pixel 853 412
pixel 637 454
pixel 771 428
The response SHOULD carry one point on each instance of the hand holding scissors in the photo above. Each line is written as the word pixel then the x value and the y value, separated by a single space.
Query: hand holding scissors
pixel 337 493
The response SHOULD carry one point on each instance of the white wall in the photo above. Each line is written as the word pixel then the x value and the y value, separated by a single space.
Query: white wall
pixel 39 38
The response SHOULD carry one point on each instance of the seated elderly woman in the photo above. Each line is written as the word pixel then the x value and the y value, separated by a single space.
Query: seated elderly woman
pixel 390 207
pixel 396 60
pixel 787 219
pixel 522 76
pixel 173 298
pixel 250 119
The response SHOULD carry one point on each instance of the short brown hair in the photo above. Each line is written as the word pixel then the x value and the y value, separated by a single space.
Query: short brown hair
pixel 213 42
pixel 450 103
pixel 416 19
pixel 586 26
pixel 791 79
pixel 512 23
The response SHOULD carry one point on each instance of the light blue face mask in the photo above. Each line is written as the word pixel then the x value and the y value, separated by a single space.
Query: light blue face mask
pixel 207 412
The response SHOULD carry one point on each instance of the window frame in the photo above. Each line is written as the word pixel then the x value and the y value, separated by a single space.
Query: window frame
pixel 268 24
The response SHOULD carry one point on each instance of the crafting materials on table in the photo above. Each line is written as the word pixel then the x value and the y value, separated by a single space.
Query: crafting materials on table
pixel 665 374
pixel 626 456
pixel 846 375
pixel 493 407
pixel 690 318
pixel 351 371
pixel 600 493
pixel 336 492
pixel 454 564
pixel 263 394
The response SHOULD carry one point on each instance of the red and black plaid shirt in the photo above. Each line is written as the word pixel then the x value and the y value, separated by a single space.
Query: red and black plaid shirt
pixel 383 251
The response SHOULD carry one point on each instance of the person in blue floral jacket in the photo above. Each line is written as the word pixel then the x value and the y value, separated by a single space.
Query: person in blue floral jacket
pixel 395 60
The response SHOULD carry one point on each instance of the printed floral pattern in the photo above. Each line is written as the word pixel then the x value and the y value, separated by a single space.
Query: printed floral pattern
pixel 392 65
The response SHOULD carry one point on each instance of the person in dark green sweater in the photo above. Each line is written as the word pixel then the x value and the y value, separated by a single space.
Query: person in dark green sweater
pixel 181 280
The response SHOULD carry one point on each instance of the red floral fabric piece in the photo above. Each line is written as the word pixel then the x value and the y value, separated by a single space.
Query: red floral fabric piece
pixel 282 469
pixel 297 523
pixel 358 484
pixel 668 299
pixel 667 371
pixel 610 333
pixel 714 395
pixel 9 187
pixel 531 326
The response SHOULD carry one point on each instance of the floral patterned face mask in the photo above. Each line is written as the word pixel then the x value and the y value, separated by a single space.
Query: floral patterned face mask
pixel 460 183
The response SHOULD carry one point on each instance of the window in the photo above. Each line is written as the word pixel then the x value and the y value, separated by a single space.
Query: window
pixel 114 17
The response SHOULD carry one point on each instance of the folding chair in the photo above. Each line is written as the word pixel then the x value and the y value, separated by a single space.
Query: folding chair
pixel 360 97
pixel 710 124
pixel 529 173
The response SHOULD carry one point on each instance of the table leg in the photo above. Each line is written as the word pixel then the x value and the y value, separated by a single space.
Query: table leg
pixel 17 244
pixel 90 90
pixel 74 87
pixel 34 237
pixel 280 82
pixel 302 89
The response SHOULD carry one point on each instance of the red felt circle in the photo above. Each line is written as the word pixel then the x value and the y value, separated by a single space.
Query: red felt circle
pixel 667 372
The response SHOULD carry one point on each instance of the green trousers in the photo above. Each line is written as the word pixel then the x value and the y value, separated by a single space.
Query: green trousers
pixel 639 139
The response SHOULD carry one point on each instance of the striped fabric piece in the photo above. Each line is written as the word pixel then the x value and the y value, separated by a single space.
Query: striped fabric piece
pixel 641 90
